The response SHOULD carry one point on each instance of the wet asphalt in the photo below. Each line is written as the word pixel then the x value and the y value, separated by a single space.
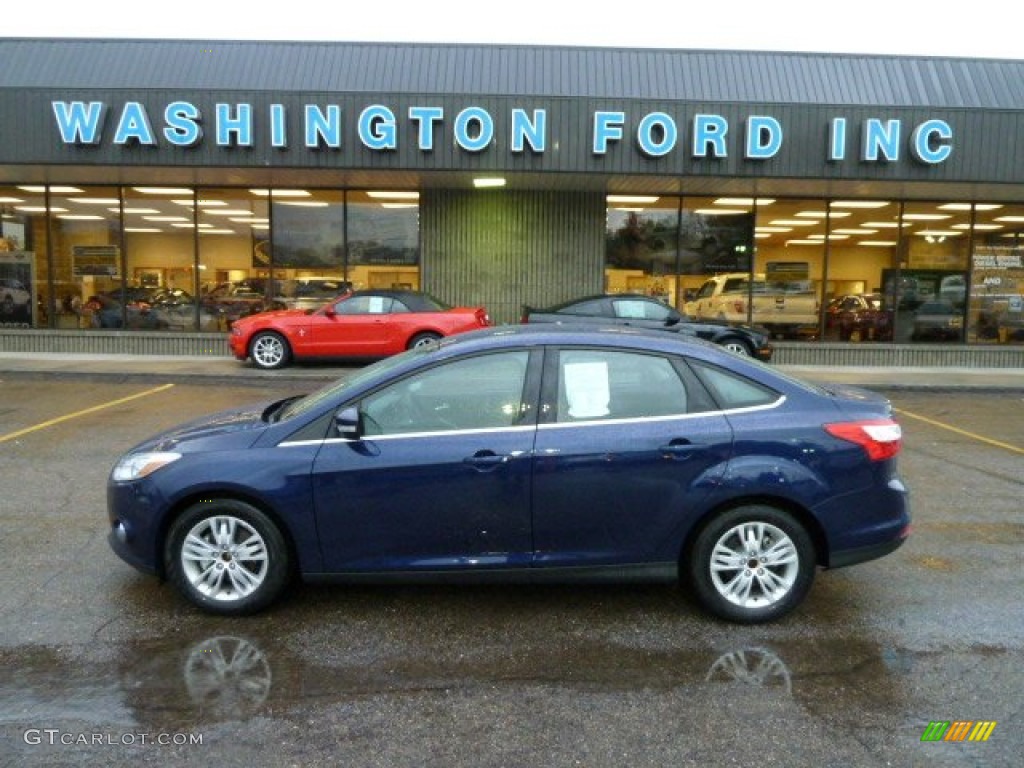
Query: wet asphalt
pixel 100 665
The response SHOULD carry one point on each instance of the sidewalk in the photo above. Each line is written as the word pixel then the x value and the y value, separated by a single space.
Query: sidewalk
pixel 229 370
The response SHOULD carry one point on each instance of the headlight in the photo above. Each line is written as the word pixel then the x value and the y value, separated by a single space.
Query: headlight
pixel 137 465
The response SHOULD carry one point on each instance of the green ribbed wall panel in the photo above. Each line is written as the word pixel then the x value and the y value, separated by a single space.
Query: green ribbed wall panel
pixel 505 249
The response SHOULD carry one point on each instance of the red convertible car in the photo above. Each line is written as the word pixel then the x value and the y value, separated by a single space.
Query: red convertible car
pixel 359 325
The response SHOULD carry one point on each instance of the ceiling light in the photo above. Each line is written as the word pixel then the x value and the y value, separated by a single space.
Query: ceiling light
pixel 1010 219
pixel 968 206
pixel 395 195
pixel 229 212
pixel 140 230
pixel 879 243
pixel 163 190
pixel 53 190
pixel 165 218
pixel 80 217
pixel 792 223
pixel 859 203
pixel 38 209
pixel 744 201
pixel 882 224
pixel 769 230
pixel 721 211
pixel 304 203
pixel 488 183
pixel 96 201
pixel 855 231
pixel 803 242
pixel 925 216
pixel 399 205
pixel 633 199
pixel 276 193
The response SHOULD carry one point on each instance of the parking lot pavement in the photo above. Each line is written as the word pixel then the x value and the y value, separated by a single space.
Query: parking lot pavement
pixel 186 368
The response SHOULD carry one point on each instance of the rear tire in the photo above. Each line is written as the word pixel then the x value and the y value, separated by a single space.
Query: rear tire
pixel 423 339
pixel 751 564
pixel 737 346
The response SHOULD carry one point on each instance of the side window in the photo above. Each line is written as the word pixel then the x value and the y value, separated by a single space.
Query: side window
pixel 482 392
pixel 601 384
pixel 586 308
pixel 639 309
pixel 706 290
pixel 731 390
pixel 364 305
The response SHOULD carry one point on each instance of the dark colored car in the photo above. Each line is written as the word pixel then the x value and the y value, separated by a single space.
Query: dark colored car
pixel 861 317
pixel 360 325
pixel 937 321
pixel 527 454
pixel 641 311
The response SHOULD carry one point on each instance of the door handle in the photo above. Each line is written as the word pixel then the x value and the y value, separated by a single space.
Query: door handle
pixel 486 460
pixel 678 448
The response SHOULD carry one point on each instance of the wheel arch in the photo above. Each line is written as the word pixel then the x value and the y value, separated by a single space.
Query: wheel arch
pixel 185 503
pixel 420 331
pixel 803 516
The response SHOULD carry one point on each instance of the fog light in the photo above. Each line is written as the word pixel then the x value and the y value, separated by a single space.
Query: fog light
pixel 120 531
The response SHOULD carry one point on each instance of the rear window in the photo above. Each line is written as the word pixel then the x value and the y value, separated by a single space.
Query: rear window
pixel 731 390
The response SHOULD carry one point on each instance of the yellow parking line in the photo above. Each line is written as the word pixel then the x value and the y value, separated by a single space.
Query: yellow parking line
pixel 964 432
pixel 76 414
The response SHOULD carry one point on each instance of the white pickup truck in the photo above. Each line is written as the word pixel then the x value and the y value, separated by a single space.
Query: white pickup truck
pixel 785 309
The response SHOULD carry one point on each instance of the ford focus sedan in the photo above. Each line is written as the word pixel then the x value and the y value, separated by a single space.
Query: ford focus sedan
pixel 358 325
pixel 527 454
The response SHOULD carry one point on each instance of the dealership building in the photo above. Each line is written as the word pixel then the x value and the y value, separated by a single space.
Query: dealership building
pixel 150 188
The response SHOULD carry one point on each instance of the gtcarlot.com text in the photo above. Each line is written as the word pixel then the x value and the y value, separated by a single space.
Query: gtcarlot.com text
pixel 57 737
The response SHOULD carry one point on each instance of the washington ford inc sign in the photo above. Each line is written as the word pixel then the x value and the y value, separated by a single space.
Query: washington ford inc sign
pixel 473 129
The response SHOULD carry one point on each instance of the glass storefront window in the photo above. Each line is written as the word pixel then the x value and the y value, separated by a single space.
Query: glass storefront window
pixel 24 301
pixel 160 245
pixel 789 258
pixel 928 291
pixel 864 238
pixel 995 308
pixel 642 246
pixel 88 263
pixel 233 228
pixel 383 239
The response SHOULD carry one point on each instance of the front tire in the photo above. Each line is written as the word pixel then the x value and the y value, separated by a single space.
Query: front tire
pixel 227 557
pixel 752 564
pixel 269 351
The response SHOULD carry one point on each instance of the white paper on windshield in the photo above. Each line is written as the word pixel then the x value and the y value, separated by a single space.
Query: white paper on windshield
pixel 586 389
pixel 376 305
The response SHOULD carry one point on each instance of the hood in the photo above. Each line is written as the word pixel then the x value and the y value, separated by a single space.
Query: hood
pixel 225 424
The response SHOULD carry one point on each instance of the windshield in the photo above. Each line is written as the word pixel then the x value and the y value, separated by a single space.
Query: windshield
pixel 313 399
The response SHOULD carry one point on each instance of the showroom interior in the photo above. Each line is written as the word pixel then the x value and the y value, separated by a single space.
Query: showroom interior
pixel 166 198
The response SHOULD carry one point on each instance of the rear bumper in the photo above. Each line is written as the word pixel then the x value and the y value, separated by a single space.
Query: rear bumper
pixel 873 552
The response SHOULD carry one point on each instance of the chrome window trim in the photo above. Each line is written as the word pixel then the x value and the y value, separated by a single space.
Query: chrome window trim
pixel 405 435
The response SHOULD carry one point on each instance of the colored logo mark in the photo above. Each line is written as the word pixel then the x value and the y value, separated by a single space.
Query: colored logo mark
pixel 958 730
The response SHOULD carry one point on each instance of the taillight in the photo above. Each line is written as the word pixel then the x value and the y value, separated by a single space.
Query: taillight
pixel 739 307
pixel 880 438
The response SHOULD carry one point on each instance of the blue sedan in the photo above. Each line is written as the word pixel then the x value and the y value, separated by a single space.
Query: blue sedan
pixel 530 454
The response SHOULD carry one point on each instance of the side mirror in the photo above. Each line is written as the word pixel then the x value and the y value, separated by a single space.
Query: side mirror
pixel 346 423
pixel 329 310
pixel 674 318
